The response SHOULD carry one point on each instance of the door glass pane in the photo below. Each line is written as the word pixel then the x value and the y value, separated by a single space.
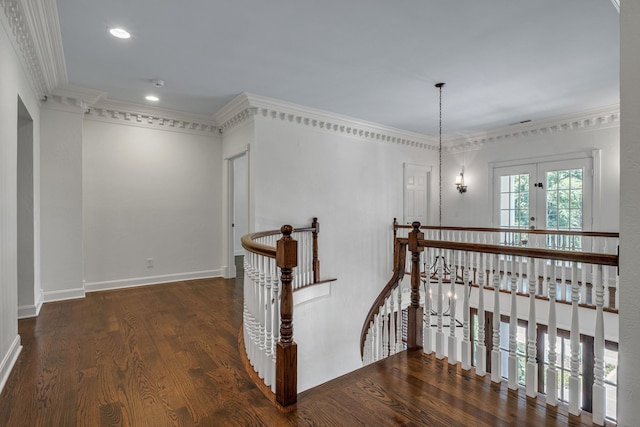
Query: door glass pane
pixel 514 201
pixel 564 199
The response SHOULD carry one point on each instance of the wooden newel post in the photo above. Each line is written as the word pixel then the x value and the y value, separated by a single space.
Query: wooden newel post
pixel 414 327
pixel 316 261
pixel 286 348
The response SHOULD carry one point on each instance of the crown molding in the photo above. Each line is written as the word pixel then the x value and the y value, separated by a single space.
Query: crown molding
pixel 111 111
pixel 37 40
pixel 246 106
pixel 601 118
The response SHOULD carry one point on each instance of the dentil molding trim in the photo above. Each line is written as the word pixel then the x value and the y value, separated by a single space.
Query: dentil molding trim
pixel 143 116
pixel 95 106
pixel 601 118
pixel 246 106
pixel 37 40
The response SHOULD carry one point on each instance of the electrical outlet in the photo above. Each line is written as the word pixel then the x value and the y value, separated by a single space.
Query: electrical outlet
pixel 149 262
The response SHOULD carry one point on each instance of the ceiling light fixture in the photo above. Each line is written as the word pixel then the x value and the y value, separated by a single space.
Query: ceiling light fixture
pixel 152 98
pixel 119 33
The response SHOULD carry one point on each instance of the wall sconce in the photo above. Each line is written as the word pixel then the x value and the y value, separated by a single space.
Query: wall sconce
pixel 460 183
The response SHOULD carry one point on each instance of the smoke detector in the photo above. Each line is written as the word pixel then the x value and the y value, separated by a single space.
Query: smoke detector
pixel 157 82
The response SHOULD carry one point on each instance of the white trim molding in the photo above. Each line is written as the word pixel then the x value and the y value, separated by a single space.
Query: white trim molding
pixel 29 311
pixel 246 106
pixel 9 360
pixel 63 295
pixel 139 115
pixel 601 118
pixel 37 40
pixel 150 280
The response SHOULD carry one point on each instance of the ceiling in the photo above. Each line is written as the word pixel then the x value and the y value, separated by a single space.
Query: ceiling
pixel 376 60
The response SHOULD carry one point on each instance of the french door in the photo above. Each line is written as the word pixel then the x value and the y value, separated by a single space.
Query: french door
pixel 551 195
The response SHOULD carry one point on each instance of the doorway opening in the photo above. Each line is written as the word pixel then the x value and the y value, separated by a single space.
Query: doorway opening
pixel 239 209
pixel 28 305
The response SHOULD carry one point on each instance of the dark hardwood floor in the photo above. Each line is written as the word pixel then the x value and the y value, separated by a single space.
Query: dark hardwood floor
pixel 167 355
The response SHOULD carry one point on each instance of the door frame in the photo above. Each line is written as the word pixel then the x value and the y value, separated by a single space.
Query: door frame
pixel 596 181
pixel 230 268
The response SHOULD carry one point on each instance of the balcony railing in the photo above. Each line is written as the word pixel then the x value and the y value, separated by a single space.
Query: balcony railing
pixel 276 263
pixel 513 283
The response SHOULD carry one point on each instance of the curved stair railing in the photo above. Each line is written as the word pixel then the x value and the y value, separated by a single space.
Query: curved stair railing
pixel 521 284
pixel 380 336
pixel 276 263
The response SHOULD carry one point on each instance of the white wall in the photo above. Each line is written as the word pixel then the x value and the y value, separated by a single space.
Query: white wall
pixel 474 208
pixel 61 186
pixel 354 186
pixel 150 194
pixel 629 370
pixel 14 83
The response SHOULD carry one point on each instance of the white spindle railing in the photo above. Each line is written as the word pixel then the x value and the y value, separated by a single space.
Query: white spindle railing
pixel 275 264
pixel 544 277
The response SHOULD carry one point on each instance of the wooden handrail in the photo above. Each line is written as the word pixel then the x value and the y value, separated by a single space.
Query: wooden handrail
pixel 249 243
pixel 398 274
pixel 397 226
pixel 583 257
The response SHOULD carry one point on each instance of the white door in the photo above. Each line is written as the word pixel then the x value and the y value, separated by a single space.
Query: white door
pixel 551 195
pixel 416 191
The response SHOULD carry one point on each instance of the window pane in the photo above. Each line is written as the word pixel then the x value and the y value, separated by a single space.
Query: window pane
pixel 504 200
pixel 576 199
pixel 552 180
pixel 504 184
pixel 563 179
pixel 576 219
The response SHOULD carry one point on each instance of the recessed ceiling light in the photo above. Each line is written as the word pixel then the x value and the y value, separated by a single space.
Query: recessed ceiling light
pixel 152 98
pixel 119 33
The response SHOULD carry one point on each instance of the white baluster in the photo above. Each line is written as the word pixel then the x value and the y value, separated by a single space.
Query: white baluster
pixel 495 351
pixel 574 379
pixel 552 372
pixel 452 351
pixel 385 328
pixel 262 318
pixel 466 342
pixel 392 325
pixel 563 282
pixel 521 282
pixel 427 331
pixel 513 329
pixel 275 287
pixel 532 365
pixel 583 284
pixel 439 332
pixel 599 393
pixel 365 349
pixel 481 349
pixel 269 323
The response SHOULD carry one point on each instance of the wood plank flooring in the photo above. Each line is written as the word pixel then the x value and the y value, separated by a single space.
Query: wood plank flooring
pixel 167 355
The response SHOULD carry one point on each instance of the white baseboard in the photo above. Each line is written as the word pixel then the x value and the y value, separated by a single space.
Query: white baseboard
pixel 63 295
pixel 9 360
pixel 28 311
pixel 150 280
